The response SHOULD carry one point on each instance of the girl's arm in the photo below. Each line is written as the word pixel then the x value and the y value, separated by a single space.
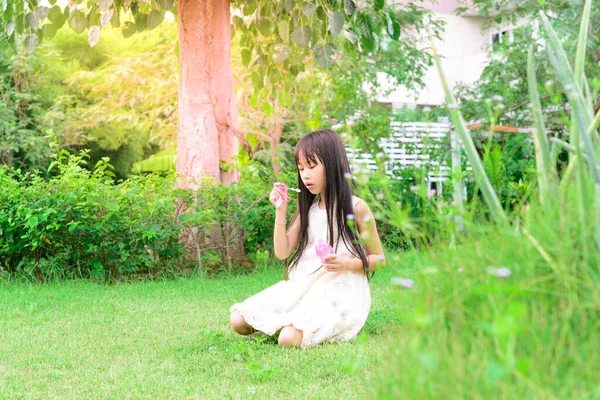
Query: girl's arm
pixel 284 241
pixel 367 229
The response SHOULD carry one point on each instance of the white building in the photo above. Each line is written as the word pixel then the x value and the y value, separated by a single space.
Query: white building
pixel 465 49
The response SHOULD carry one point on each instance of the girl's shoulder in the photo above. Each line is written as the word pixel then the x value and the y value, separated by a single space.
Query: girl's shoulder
pixel 356 200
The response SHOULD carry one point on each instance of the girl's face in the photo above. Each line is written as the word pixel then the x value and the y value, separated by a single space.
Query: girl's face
pixel 313 175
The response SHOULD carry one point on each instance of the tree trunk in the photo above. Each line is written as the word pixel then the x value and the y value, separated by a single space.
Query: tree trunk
pixel 207 108
pixel 206 96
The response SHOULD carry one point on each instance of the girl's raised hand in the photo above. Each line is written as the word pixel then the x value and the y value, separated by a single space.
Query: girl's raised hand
pixel 278 197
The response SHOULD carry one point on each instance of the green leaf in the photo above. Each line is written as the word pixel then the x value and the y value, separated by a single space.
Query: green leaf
pixel 105 4
pixel 246 55
pixel 77 21
pixel 301 36
pixel 309 9
pixel 94 35
pixel 351 36
pixel 166 5
pixel 324 53
pixel 336 22
pixel 163 161
pixel 285 99
pixel 267 108
pixel 106 17
pixel 19 22
pixel 49 31
pixel 249 8
pixel 155 19
pixel 10 28
pixel 274 77
pixel 283 54
pixel 349 7
pixel 257 81
pixel 30 42
pixel 284 30
pixel 129 29
pixel 40 36
pixel 368 44
pixel 115 20
pixel 392 26
pixel 42 13
pixel 253 100
pixel 56 16
pixel 365 24
pixel 238 22
pixel 33 221
pixel 266 27
pixel 141 21
pixel 32 21
pixel 93 17
pixel 288 5
pixel 378 4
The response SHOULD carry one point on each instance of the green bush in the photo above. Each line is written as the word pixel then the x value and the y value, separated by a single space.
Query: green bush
pixel 82 224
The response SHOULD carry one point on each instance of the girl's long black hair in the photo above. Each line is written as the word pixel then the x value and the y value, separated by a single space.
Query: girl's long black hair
pixel 326 145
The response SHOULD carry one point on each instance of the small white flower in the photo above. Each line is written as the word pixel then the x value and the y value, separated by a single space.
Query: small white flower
pixel 460 270
pixel 403 282
pixel 499 106
pixel 452 106
pixel 488 100
pixel 367 218
pixel 380 155
pixel 414 188
pixel 548 83
pixel 350 216
pixel 497 98
pixel 379 196
pixel 501 272
pixel 426 109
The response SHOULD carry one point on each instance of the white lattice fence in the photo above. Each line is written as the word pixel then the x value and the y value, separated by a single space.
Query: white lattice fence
pixel 407 147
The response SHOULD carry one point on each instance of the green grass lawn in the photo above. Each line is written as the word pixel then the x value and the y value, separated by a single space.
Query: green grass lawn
pixel 171 339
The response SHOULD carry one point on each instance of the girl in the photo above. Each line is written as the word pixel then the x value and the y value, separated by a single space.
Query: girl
pixel 324 299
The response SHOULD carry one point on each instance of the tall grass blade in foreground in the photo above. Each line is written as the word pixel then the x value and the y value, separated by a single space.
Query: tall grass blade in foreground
pixel 489 194
pixel 546 174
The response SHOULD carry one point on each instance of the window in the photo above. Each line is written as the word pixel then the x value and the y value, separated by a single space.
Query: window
pixel 510 35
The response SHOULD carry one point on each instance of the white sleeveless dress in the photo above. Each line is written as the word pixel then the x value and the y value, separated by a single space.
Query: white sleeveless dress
pixel 325 306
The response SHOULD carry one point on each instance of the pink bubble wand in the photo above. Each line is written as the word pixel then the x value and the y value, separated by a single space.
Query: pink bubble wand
pixel 284 196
